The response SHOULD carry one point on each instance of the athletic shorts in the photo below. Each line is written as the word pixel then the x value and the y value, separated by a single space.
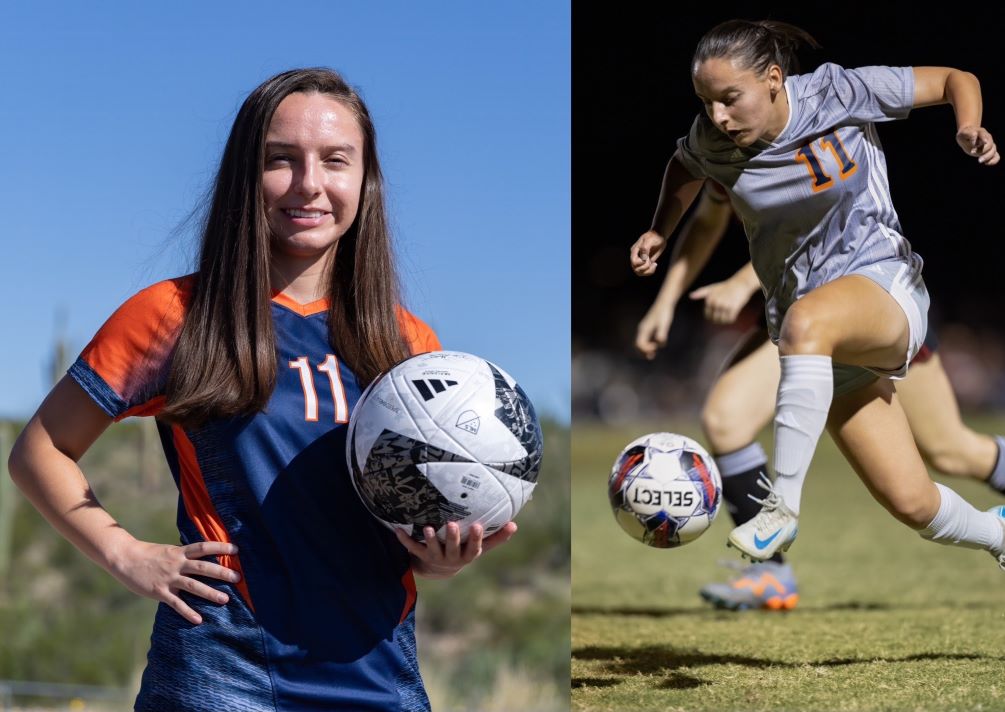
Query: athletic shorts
pixel 908 289
pixel 928 348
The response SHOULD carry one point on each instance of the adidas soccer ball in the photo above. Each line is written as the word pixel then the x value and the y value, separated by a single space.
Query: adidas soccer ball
pixel 664 489
pixel 444 437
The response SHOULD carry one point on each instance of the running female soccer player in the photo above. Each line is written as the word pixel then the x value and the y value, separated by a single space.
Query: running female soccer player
pixel 845 302
pixel 286 593
pixel 741 401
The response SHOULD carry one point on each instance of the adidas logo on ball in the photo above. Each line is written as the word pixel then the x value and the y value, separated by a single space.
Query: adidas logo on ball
pixel 424 385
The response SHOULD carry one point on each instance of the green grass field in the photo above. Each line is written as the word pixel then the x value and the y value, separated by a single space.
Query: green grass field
pixel 886 621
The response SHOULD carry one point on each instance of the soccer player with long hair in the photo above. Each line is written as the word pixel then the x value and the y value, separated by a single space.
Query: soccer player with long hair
pixel 803 167
pixel 285 592
pixel 741 401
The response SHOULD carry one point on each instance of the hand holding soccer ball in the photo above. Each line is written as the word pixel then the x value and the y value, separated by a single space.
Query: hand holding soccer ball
pixel 435 559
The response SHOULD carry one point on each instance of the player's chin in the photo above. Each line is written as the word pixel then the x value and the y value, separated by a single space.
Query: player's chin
pixel 744 138
pixel 304 244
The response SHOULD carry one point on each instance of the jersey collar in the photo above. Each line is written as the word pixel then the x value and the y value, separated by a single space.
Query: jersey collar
pixel 308 309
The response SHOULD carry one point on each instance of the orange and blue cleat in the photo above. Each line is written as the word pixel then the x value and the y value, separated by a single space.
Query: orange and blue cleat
pixel 766 585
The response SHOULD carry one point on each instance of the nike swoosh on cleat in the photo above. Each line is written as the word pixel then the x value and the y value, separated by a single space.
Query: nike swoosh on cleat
pixel 761 543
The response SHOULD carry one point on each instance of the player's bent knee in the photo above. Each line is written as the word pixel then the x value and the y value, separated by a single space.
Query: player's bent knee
pixel 715 427
pixel 803 332
pixel 959 452
pixel 916 510
pixel 724 430
pixel 950 462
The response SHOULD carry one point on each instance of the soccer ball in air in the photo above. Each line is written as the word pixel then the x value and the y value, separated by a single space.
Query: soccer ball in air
pixel 664 489
pixel 444 437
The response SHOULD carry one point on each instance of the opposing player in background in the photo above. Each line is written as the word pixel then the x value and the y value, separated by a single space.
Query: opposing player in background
pixel 741 401
pixel 845 301
pixel 285 593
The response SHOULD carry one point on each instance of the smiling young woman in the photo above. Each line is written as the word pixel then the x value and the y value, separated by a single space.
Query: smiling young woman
pixel 311 185
pixel 285 592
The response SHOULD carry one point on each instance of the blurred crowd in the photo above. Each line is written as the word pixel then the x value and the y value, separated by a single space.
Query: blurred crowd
pixel 617 386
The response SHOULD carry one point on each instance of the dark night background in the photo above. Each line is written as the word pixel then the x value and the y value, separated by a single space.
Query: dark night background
pixel 632 99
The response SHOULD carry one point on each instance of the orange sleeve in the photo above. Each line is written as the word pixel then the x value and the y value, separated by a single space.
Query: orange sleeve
pixel 125 366
pixel 420 337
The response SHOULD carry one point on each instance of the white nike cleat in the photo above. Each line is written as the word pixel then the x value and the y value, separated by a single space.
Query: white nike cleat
pixel 773 529
pixel 999 512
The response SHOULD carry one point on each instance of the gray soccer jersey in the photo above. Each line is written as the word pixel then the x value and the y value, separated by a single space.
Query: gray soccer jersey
pixel 815 203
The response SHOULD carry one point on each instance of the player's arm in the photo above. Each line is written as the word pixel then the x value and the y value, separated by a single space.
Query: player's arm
pixel 43 464
pixel 724 300
pixel 698 238
pixel 677 192
pixel 962 90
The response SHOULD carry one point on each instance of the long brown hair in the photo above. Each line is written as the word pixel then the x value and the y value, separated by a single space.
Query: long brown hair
pixel 755 45
pixel 225 359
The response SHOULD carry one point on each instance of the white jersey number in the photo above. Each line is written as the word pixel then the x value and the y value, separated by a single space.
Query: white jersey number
pixel 329 366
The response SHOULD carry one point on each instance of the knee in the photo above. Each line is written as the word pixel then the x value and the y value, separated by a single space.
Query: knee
pixel 916 508
pixel 804 331
pixel 715 425
pixel 724 427
pixel 959 454
pixel 949 461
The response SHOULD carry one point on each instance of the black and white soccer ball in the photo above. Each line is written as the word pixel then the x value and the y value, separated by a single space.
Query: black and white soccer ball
pixel 444 437
pixel 664 489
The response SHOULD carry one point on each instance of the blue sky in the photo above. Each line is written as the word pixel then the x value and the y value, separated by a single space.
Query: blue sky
pixel 115 115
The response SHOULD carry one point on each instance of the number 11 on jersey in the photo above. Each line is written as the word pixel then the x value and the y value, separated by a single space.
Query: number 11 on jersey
pixel 821 179
pixel 329 366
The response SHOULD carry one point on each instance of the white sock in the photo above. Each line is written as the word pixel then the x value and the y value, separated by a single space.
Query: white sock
pixel 958 522
pixel 804 399
pixel 743 460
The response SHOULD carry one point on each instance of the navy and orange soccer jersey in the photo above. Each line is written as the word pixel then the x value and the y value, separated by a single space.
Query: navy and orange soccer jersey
pixel 323 617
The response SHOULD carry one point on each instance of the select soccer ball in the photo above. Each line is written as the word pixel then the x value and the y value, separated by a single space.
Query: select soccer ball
pixel 444 437
pixel 664 490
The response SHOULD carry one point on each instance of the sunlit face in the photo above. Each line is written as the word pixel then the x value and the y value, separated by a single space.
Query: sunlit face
pixel 740 103
pixel 313 173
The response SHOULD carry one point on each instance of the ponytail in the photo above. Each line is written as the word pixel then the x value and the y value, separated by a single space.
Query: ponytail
pixel 754 45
